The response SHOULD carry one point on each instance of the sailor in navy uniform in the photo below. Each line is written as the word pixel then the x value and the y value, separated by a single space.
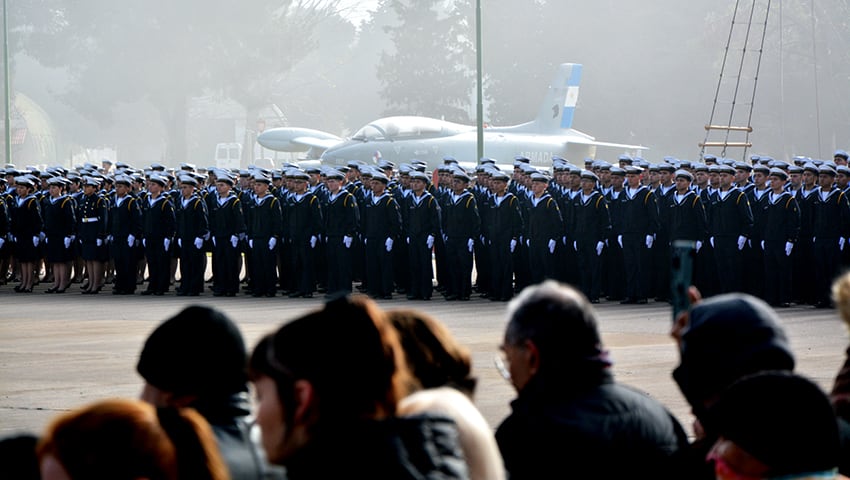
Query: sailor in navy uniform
pixel 589 228
pixel 639 212
pixel 227 224
pixel 342 225
pixel 730 225
pixel 381 229
pixel 60 226
pixel 781 230
pixel 125 228
pixel 158 226
pixel 422 220
pixel 803 288
pixel 543 230
pixel 304 225
pixel 831 227
pixel 687 217
pixel 26 226
pixel 192 230
pixel 461 226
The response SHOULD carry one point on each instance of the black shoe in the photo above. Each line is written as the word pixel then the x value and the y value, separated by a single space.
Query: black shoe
pixel 271 294
pixel 384 297
pixel 452 297
pixel 60 290
pixel 642 301
pixel 627 301
pixel 118 291
pixel 464 298
pixel 218 294
pixel 230 294
pixel 147 292
pixel 307 295
pixel 411 297
pixel 159 293
pixel 51 290
pixel 594 301
pixel 193 294
pixel 295 294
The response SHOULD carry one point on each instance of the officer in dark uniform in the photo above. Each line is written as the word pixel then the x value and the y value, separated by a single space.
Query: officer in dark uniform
pixel 26 226
pixel 158 224
pixel 781 230
pixel 227 224
pixel 192 231
pixel 461 226
pixel 60 226
pixel 264 232
pixel 125 227
pixel 661 247
pixel 92 228
pixel 730 226
pixel 381 229
pixel 590 225
pixel 757 195
pixel 422 220
pixel 830 229
pixel 639 212
pixel 543 230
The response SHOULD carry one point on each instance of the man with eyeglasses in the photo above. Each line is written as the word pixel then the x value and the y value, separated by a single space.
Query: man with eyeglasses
pixel 570 416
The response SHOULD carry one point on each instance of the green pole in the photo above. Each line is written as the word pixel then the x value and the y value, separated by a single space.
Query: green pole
pixel 6 89
pixel 480 90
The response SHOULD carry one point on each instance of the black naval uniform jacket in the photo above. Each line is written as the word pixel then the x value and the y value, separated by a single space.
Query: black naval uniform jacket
pixel 687 218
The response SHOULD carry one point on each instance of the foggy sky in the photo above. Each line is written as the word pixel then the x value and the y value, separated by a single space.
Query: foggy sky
pixel 650 73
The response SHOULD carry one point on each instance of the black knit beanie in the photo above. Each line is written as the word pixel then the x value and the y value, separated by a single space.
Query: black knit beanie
pixel 199 351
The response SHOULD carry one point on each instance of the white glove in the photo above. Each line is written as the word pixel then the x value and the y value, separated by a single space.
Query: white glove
pixel 528 243
pixel 199 243
pixel 144 242
pixel 408 240
pixel 513 245
pixel 250 243
pixel 389 244
pixel 313 241
pixel 99 242
pixel 551 245
pixel 3 240
pixel 131 240
pixel 699 245
pixel 743 240
pixel 711 241
pixel 346 240
pixel 788 247
pixel 564 240
pixel 45 240
pixel 272 243
pixel 814 239
pixel 166 243
pixel 575 245
pixel 841 241
pixel 429 242
pixel 109 239
pixel 469 244
pixel 35 240
pixel 649 240
pixel 66 241
pixel 762 244
pixel 234 240
pixel 365 241
pixel 599 246
pixel 42 235
pixel 620 240
pixel 213 239
pixel 180 242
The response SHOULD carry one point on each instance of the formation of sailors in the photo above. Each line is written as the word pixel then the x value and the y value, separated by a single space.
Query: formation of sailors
pixel 771 228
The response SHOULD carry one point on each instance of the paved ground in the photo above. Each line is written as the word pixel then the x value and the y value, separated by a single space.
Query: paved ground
pixel 61 351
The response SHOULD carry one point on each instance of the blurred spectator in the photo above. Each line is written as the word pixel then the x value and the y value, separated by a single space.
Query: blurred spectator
pixel 18 459
pixel 570 416
pixel 128 440
pixel 328 386
pixel 774 425
pixel 198 359
pixel 443 383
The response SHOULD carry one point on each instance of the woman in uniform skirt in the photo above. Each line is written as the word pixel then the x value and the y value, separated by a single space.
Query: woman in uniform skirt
pixel 92 228
pixel 60 224
pixel 26 228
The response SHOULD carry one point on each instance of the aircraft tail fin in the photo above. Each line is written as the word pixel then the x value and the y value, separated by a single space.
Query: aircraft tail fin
pixel 556 112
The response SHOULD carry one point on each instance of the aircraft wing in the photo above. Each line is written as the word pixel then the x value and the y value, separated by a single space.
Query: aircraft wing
pixel 293 139
pixel 590 141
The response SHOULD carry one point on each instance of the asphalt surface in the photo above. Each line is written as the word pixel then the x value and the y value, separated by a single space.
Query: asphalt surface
pixel 58 352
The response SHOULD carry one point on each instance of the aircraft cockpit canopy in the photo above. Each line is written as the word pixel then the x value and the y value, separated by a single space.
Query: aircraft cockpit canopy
pixel 397 128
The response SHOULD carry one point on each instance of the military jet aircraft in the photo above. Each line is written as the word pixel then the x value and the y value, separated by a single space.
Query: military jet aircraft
pixel 404 138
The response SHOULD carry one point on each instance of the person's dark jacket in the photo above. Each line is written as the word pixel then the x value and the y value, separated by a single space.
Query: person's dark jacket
pixel 596 428
pixel 420 447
